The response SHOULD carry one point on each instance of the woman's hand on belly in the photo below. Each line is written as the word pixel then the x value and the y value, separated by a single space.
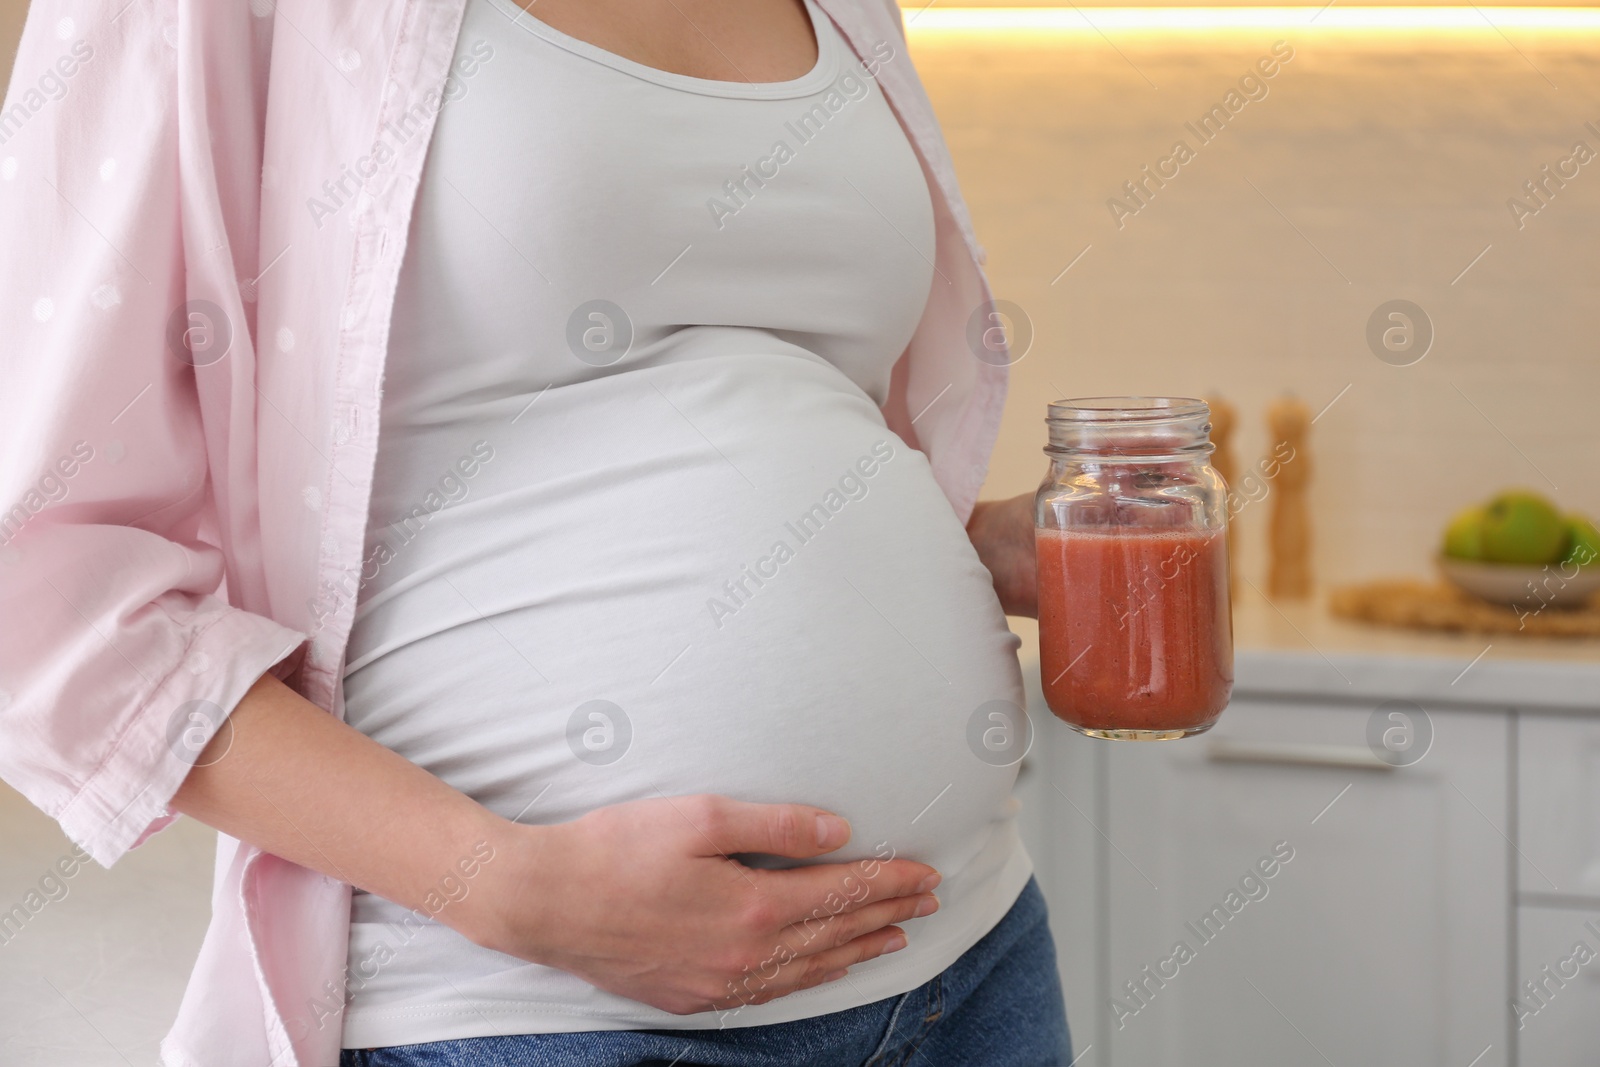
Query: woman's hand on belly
pixel 641 900
pixel 1002 532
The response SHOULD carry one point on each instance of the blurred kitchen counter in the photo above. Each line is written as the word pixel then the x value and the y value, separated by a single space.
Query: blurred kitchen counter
pixel 1285 648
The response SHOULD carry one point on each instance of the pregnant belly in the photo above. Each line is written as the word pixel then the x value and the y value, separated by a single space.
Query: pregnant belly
pixel 724 576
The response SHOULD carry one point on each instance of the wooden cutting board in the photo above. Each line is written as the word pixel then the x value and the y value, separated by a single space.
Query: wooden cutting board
pixel 1419 605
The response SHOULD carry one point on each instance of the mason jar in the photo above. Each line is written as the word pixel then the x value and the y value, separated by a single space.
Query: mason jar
pixel 1131 527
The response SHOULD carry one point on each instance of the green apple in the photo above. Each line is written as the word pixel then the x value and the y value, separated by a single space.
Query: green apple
pixel 1463 538
pixel 1583 549
pixel 1521 526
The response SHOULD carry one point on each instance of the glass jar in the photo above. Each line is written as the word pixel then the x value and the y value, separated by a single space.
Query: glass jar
pixel 1131 526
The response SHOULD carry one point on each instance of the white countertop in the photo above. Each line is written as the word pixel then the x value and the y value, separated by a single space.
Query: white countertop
pixel 1299 649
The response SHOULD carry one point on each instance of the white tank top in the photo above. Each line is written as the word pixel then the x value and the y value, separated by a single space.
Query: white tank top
pixel 638 526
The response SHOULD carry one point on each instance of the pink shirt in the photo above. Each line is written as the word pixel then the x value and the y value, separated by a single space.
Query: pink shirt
pixel 203 210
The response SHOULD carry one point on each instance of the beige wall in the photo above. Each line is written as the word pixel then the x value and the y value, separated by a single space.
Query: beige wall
pixel 12 15
pixel 1393 159
pixel 12 12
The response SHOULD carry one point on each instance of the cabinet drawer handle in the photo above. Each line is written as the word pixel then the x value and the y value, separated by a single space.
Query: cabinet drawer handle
pixel 1288 752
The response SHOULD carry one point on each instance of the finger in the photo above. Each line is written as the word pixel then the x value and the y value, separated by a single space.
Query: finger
pixel 827 889
pixel 823 966
pixel 813 936
pixel 796 830
pixel 826 966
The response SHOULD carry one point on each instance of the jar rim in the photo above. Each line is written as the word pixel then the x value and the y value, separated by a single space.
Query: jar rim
pixel 1126 409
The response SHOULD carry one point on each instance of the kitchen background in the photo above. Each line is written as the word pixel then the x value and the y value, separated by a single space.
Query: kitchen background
pixel 1378 166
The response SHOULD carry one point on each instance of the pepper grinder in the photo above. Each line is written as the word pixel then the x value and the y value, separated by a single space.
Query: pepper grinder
pixel 1289 529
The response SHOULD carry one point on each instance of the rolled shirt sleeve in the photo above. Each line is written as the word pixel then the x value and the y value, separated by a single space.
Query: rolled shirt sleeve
pixel 118 655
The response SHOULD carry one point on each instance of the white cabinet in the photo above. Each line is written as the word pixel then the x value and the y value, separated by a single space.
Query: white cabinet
pixel 1062 789
pixel 1558 818
pixel 1419 900
pixel 1382 941
pixel 1558 987
pixel 1557 979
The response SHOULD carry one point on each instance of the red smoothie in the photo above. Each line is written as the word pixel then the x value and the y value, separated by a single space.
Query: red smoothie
pixel 1135 630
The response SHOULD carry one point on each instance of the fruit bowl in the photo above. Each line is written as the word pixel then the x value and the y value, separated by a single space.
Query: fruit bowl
pixel 1522 585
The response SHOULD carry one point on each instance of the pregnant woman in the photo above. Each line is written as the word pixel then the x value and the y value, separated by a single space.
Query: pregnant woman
pixel 672 678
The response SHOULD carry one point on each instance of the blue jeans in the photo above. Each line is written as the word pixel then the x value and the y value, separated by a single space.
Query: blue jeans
pixel 999 1005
